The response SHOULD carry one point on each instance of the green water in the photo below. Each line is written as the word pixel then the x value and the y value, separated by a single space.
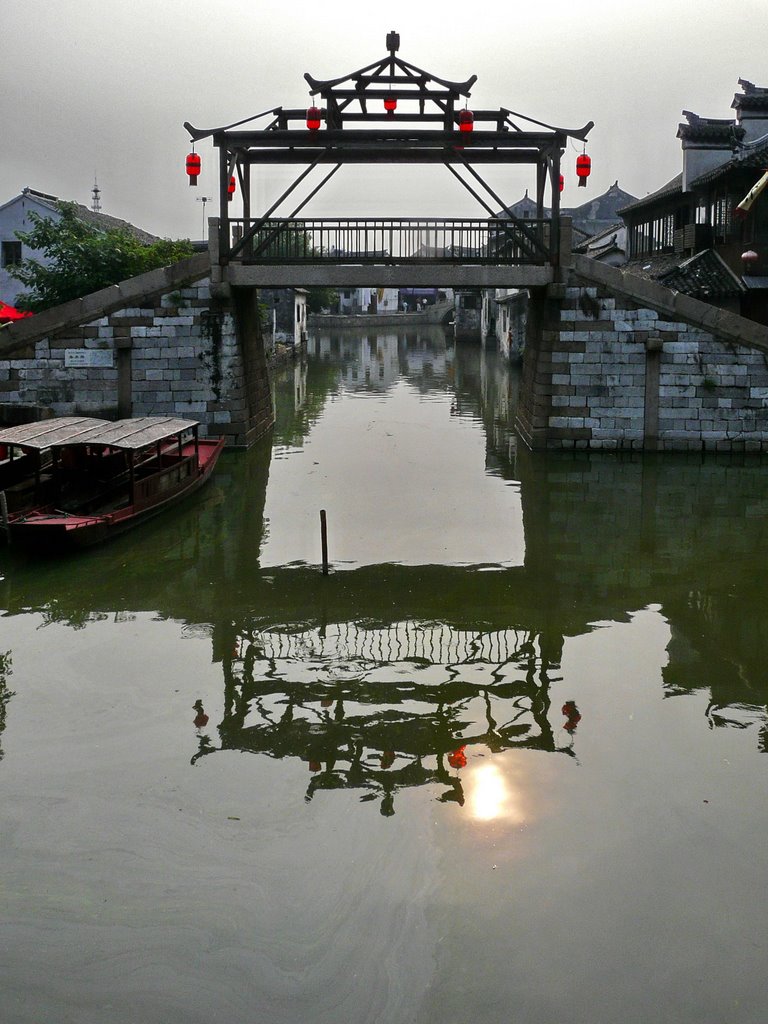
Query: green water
pixel 506 763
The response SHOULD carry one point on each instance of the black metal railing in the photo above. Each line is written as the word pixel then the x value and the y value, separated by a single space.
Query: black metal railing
pixel 391 240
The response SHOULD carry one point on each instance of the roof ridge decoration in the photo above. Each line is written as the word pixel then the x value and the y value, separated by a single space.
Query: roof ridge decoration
pixel 29 191
pixel 752 98
pixel 710 130
pixel 376 72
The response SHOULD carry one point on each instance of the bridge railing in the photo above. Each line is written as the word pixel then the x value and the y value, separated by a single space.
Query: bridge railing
pixel 390 240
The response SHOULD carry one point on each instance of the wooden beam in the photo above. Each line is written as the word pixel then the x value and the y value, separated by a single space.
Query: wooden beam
pixel 381 155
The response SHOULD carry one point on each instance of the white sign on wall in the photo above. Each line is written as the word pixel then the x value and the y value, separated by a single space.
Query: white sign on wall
pixel 88 357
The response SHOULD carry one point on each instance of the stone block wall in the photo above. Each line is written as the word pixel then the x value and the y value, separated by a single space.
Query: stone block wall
pixel 601 372
pixel 467 316
pixel 178 354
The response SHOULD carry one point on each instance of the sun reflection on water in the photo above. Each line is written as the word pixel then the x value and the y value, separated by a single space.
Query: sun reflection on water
pixel 491 797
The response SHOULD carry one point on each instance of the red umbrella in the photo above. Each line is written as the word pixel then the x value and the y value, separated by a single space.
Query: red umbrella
pixel 9 313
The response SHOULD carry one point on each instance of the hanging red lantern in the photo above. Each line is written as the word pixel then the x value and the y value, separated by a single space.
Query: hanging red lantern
pixel 466 120
pixel 231 188
pixel 314 116
pixel 193 167
pixel 583 169
pixel 562 183
pixel 390 105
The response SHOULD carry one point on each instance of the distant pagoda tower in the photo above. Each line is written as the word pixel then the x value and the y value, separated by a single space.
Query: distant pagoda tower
pixel 96 194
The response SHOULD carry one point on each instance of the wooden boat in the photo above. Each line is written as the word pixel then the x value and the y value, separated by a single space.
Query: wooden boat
pixel 26 458
pixel 89 480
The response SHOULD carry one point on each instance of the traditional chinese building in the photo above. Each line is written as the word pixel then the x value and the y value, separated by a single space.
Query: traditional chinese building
pixel 699 233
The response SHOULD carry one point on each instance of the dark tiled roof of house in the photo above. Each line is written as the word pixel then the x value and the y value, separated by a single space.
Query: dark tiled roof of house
pixel 709 129
pixel 600 213
pixel 98 220
pixel 103 220
pixel 591 217
pixel 753 98
pixel 673 187
pixel 600 238
pixel 703 276
pixel 753 157
pixel 652 267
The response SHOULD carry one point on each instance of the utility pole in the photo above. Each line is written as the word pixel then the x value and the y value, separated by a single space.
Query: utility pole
pixel 204 200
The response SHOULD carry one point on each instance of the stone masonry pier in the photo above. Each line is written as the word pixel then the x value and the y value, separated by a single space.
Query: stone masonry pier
pixel 163 343
pixel 615 361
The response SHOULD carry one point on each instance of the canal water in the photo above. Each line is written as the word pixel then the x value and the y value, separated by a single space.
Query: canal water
pixel 506 762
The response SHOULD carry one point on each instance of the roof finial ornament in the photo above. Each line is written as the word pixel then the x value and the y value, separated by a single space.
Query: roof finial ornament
pixel 393 42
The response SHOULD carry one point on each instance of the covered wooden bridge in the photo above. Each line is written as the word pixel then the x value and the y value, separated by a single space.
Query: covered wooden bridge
pixel 389 112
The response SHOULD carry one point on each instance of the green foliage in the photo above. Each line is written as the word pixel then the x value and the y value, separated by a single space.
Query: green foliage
pixel 320 298
pixel 84 258
pixel 5 693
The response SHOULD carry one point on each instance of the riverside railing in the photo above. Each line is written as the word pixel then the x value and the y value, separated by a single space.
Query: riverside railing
pixel 391 240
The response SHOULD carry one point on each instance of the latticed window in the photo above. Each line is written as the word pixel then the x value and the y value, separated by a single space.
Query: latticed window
pixel 721 217
pixel 10 254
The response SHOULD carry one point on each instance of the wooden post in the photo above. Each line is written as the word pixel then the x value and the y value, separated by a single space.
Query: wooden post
pixel 324 540
pixel 225 242
pixel 4 514
pixel 554 237
pixel 131 478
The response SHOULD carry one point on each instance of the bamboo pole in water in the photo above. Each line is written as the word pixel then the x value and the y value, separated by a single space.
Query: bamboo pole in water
pixel 324 540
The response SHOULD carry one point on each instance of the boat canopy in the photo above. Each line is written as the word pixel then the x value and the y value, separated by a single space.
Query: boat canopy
pixel 126 435
pixel 136 433
pixel 44 434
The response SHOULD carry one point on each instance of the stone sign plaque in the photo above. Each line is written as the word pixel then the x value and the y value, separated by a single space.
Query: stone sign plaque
pixel 88 357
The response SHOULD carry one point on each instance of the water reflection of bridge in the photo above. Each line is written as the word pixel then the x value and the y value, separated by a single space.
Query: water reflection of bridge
pixel 380 709
pixel 496 652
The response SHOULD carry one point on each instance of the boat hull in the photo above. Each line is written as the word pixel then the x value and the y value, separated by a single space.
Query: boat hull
pixel 48 531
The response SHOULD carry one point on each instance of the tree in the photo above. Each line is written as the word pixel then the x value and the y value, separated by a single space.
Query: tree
pixel 84 258
pixel 320 298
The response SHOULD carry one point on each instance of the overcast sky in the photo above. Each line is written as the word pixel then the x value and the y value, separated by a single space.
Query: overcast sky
pixel 104 86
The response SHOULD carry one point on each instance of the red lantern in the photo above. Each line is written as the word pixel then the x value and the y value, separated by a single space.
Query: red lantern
pixel 193 167
pixel 583 168
pixel 562 183
pixel 390 105
pixel 314 116
pixel 466 120
pixel 231 188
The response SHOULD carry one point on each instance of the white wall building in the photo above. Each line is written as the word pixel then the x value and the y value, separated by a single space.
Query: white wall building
pixel 15 216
